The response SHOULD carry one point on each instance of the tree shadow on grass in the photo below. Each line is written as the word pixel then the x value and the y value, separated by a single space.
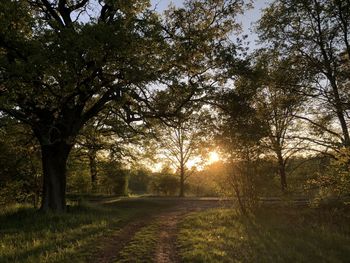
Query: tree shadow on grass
pixel 29 236
pixel 295 235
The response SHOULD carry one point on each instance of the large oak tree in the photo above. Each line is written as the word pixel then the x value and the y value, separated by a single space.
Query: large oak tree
pixel 63 61
pixel 57 72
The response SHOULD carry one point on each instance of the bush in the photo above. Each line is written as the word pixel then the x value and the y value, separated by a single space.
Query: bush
pixel 79 182
pixel 113 178
pixel 334 184
pixel 139 181
pixel 14 192
pixel 164 184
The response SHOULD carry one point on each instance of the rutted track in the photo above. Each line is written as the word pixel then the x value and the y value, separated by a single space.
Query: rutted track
pixel 168 219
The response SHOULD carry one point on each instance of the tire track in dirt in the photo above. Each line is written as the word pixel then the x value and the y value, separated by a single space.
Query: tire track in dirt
pixel 114 244
pixel 166 251
pixel 166 246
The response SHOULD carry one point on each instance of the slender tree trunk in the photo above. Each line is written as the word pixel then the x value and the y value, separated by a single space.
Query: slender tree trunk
pixel 93 170
pixel 344 128
pixel 241 204
pixel 54 161
pixel 340 115
pixel 182 181
pixel 282 172
pixel 236 181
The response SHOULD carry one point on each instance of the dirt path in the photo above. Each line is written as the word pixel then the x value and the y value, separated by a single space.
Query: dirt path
pixel 112 245
pixel 166 250
pixel 166 246
pixel 168 227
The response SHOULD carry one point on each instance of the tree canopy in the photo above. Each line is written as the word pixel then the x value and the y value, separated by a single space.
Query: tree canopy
pixel 61 65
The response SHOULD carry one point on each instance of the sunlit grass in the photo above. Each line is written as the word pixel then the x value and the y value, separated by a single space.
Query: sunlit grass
pixel 30 236
pixel 219 235
pixel 272 235
pixel 142 246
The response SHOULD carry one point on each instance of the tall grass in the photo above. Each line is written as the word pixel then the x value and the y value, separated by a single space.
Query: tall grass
pixel 29 236
pixel 271 235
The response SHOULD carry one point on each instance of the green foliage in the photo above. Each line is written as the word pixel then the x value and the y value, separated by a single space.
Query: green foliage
pixel 79 182
pixel 209 181
pixel 78 178
pixel 20 173
pixel 61 65
pixel 307 31
pixel 114 179
pixel 139 181
pixel 184 137
pixel 200 185
pixel 164 184
pixel 14 192
pixel 240 134
pixel 333 184
pixel 58 72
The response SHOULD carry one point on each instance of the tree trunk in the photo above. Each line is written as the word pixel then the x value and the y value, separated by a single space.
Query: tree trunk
pixel 282 173
pixel 93 170
pixel 344 128
pixel 54 161
pixel 340 112
pixel 182 181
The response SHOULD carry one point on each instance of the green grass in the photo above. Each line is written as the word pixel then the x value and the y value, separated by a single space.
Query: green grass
pixel 277 234
pixel 30 236
pixel 271 235
pixel 142 247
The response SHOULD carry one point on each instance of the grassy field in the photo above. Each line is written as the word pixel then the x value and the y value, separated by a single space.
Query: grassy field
pixel 29 236
pixel 279 234
pixel 271 235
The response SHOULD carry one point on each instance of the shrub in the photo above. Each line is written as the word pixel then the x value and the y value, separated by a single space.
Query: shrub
pixel 113 178
pixel 139 181
pixel 14 192
pixel 164 184
pixel 334 184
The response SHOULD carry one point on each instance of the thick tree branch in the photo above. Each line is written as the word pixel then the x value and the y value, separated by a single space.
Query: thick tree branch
pixel 52 12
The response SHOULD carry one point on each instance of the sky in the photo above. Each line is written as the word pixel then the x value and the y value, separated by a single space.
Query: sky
pixel 247 20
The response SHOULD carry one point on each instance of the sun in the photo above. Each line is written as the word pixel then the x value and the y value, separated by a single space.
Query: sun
pixel 213 157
